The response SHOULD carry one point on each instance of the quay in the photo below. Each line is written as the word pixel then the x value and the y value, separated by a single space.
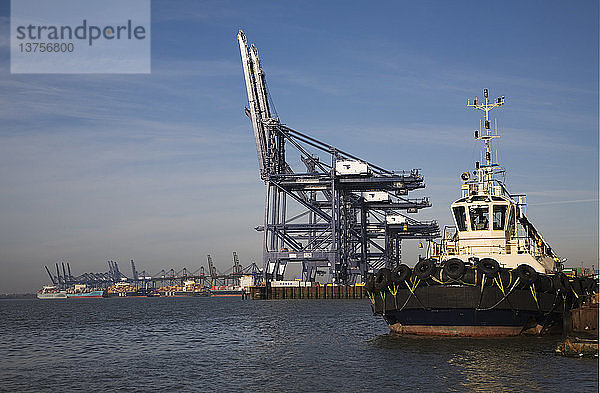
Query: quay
pixel 329 291
pixel 581 329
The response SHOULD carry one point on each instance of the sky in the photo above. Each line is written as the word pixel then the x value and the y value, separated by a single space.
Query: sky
pixel 161 167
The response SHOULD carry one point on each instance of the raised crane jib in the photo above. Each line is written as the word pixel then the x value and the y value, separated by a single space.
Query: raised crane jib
pixel 258 106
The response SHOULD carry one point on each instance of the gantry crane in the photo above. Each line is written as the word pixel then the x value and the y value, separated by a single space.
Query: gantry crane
pixel 346 213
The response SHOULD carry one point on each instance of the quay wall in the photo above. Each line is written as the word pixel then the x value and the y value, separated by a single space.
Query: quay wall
pixel 313 292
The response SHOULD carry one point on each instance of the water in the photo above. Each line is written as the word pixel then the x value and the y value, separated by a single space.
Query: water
pixel 203 344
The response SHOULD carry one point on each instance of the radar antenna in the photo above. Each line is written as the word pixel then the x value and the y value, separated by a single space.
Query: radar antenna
pixel 486 136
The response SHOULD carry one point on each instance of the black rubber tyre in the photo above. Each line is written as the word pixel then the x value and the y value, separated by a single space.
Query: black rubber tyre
pixel 383 279
pixel 401 273
pixel 424 269
pixel 488 266
pixel 469 276
pixel 526 273
pixel 544 283
pixel 455 268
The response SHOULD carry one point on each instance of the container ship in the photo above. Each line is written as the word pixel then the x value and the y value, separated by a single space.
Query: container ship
pixel 125 289
pixel 227 291
pixel 51 292
pixel 492 274
pixel 81 291
pixel 189 289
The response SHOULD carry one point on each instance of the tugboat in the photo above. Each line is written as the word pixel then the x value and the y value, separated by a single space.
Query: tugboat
pixel 492 274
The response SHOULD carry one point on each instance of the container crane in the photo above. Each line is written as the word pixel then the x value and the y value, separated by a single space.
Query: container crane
pixel 212 271
pixel 349 214
pixel 134 273
pixel 237 268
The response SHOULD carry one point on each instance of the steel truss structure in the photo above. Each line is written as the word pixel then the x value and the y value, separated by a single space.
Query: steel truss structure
pixel 338 211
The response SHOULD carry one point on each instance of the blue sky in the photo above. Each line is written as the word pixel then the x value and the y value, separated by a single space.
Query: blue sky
pixel 162 167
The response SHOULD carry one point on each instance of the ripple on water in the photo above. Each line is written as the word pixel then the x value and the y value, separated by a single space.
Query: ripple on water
pixel 204 344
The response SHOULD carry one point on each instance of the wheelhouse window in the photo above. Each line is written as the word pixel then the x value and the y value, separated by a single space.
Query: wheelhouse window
pixel 499 216
pixel 480 198
pixel 479 217
pixel 460 217
pixel 511 220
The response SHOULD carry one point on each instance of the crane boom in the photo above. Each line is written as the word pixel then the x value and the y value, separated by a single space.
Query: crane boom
pixel 134 272
pixel 256 101
pixel 211 268
pixel 60 282
pixel 259 80
pixel 64 273
pixel 50 275
pixel 117 272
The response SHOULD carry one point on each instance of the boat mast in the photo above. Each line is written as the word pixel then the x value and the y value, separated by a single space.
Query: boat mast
pixel 485 173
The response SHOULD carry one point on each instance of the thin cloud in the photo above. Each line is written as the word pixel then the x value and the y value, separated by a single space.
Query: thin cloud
pixel 564 202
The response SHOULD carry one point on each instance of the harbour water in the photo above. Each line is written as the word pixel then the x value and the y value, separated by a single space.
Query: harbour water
pixel 226 344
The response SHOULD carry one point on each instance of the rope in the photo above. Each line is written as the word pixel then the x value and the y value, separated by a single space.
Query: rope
pixel 416 297
pixel 394 291
pixel 574 293
pixel 501 300
pixel 498 281
pixel 415 283
pixel 481 292
pixel 438 281
pixel 371 297
pixel 406 302
pixel 532 289
pixel 553 303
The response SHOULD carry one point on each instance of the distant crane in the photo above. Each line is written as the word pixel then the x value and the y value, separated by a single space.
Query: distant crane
pixel 134 273
pixel 114 275
pixel 65 274
pixel 212 271
pixel 60 281
pixel 255 271
pixel 237 268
